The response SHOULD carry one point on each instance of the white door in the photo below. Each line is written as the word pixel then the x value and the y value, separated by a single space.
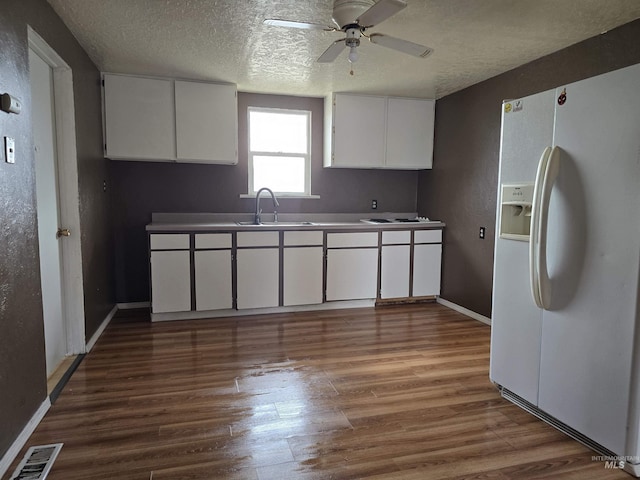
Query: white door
pixel 593 257
pixel 48 210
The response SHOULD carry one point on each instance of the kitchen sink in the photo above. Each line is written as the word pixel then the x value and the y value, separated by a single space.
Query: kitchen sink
pixel 276 224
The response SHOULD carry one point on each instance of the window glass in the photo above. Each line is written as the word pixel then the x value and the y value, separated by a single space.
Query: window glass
pixel 280 151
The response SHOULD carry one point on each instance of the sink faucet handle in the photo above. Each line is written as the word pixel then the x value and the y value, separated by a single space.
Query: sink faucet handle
pixel 275 216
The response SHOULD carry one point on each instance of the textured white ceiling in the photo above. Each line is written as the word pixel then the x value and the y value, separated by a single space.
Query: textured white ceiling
pixel 225 40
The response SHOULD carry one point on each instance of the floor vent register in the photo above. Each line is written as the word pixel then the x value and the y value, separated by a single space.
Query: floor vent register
pixel 37 462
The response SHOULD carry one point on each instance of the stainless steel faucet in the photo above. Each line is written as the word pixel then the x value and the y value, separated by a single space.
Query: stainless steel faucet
pixel 256 219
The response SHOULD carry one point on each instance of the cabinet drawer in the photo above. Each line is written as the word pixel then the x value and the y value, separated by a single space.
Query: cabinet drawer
pixel 395 237
pixel 258 239
pixel 427 236
pixel 302 238
pixel 169 241
pixel 213 240
pixel 345 240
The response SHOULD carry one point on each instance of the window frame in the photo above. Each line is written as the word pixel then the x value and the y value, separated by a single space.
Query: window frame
pixel 307 156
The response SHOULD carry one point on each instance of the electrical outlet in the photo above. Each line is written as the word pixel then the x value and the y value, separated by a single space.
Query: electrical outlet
pixel 10 150
pixel 482 232
pixel 374 204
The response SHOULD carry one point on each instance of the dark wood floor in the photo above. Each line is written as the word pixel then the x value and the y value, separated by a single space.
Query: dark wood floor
pixel 391 393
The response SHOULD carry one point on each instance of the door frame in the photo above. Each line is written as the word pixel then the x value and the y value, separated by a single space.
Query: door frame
pixel 68 194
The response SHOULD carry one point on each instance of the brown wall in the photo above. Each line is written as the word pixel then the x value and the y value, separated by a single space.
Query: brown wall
pixel 461 189
pixel 143 188
pixel 22 360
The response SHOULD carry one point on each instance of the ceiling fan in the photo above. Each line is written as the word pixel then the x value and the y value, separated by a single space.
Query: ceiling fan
pixel 354 18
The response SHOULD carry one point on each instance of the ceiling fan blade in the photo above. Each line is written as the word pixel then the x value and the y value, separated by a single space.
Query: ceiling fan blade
pixel 331 53
pixel 304 25
pixel 400 45
pixel 379 12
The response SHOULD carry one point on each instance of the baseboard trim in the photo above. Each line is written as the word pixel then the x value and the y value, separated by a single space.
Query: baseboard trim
pixel 22 439
pixel 57 390
pixel 92 341
pixel 133 305
pixel 464 311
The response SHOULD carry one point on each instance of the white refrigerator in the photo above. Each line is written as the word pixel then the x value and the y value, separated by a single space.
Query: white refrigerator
pixel 565 342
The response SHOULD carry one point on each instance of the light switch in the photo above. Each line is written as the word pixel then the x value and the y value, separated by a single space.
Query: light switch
pixel 10 149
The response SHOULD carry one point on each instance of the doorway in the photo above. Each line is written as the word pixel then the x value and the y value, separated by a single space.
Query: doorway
pixel 55 154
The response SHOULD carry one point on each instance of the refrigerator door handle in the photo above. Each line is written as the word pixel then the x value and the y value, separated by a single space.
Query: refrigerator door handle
pixel 534 237
pixel 550 175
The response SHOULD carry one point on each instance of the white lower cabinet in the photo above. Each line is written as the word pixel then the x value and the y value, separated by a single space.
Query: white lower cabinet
pixel 302 271
pixel 258 270
pixel 302 266
pixel 213 269
pixel 213 278
pixel 426 270
pixel 395 260
pixel 170 262
pixel 258 277
pixel 394 271
pixel 427 262
pixel 401 263
pixel 352 273
pixel 170 281
pixel 352 266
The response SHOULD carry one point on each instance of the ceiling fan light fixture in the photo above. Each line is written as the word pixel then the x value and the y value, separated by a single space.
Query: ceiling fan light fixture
pixel 353 54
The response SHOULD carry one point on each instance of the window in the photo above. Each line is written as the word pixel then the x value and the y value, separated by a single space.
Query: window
pixel 280 151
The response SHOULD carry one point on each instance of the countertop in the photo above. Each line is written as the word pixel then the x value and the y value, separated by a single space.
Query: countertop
pixel 198 222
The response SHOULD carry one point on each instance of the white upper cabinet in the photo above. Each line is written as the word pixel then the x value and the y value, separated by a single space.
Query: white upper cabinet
pixel 168 120
pixel 365 131
pixel 410 125
pixel 358 131
pixel 206 122
pixel 139 118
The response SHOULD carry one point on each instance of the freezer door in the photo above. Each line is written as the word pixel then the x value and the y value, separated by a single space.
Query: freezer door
pixel 593 247
pixel 527 128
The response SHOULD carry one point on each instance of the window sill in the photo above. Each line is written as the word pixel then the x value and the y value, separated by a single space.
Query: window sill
pixel 282 195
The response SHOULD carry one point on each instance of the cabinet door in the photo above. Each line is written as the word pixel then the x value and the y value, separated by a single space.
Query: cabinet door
pixel 206 122
pixel 258 275
pixel 352 274
pixel 170 281
pixel 139 118
pixel 302 276
pixel 426 269
pixel 359 136
pixel 213 280
pixel 409 133
pixel 394 271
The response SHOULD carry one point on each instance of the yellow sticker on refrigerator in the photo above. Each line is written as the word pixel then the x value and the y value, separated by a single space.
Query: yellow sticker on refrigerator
pixel 514 106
